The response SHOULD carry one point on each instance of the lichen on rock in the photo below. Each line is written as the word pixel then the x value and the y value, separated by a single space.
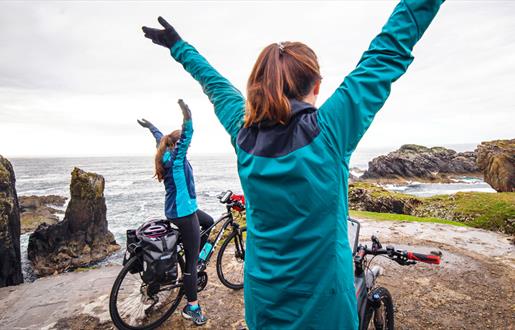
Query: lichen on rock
pixel 82 237
pixel 497 161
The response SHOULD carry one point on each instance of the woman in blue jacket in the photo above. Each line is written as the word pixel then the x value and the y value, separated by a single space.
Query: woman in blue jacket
pixel 293 163
pixel 173 168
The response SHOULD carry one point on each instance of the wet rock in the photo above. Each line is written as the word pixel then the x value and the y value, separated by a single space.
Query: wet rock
pixel 497 161
pixel 369 197
pixel 418 162
pixel 36 210
pixel 82 237
pixel 10 257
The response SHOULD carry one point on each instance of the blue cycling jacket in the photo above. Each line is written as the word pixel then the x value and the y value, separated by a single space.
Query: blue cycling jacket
pixel 298 262
pixel 180 198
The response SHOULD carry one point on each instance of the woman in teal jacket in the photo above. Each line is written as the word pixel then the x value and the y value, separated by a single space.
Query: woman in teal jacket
pixel 293 163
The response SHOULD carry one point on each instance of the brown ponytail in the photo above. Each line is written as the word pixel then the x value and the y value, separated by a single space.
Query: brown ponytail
pixel 284 71
pixel 167 141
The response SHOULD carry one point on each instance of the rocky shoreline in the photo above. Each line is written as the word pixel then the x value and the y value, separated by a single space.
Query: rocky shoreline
pixel 493 161
pixel 79 237
pixel 36 210
pixel 82 237
pixel 482 210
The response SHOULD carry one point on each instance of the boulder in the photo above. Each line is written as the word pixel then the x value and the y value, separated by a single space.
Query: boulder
pixel 418 162
pixel 36 210
pixel 497 161
pixel 10 257
pixel 82 237
pixel 369 197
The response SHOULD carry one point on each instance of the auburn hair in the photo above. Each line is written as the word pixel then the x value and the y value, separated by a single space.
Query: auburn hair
pixel 167 141
pixel 283 71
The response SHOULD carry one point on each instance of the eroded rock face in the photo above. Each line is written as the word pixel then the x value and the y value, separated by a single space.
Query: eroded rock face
pixel 418 162
pixel 82 237
pixel 10 257
pixel 36 210
pixel 497 161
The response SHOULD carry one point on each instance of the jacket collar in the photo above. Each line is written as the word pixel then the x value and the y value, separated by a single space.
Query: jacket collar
pixel 297 107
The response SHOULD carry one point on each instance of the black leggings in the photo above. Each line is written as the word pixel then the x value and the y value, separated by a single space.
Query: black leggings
pixel 190 233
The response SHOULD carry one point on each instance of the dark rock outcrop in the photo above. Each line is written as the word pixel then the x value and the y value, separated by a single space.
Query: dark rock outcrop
pixel 497 161
pixel 36 210
pixel 418 162
pixel 82 237
pixel 10 257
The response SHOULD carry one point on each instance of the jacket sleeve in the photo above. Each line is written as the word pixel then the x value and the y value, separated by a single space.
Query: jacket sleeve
pixel 182 145
pixel 348 113
pixel 229 103
pixel 156 133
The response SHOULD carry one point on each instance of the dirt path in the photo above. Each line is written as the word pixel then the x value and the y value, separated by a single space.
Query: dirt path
pixel 472 289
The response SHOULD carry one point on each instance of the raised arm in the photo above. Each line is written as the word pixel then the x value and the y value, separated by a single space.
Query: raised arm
pixel 348 113
pixel 182 145
pixel 155 132
pixel 228 102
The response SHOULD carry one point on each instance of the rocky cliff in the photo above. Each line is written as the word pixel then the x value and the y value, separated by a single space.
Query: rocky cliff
pixel 497 161
pixel 10 261
pixel 418 162
pixel 82 237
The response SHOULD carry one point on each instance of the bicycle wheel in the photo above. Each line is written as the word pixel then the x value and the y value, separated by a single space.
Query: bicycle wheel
pixel 231 258
pixel 135 305
pixel 381 314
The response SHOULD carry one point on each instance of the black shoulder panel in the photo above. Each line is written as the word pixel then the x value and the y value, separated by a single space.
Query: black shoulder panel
pixel 279 140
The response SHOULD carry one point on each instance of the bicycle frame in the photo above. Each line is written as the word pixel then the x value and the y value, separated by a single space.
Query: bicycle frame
pixel 359 277
pixel 227 220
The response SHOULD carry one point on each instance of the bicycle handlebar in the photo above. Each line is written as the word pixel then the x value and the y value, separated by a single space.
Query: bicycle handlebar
pixel 427 258
pixel 402 257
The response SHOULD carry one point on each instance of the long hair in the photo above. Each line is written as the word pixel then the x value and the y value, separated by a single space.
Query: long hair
pixel 284 71
pixel 167 141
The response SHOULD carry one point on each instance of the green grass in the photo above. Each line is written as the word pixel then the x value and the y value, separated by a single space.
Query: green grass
pixel 402 217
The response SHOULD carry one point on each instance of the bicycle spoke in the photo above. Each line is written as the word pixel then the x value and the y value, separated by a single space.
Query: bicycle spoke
pixel 233 263
pixel 138 306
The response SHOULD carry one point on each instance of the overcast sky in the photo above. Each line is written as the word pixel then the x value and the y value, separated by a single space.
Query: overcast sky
pixel 75 76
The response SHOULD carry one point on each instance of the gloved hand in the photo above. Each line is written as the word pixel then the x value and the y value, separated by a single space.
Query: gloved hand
pixel 186 113
pixel 145 123
pixel 166 38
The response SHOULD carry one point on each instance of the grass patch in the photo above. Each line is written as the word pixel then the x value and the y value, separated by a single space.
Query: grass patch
pixel 402 217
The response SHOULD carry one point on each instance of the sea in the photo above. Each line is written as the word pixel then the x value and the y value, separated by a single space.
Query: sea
pixel 133 195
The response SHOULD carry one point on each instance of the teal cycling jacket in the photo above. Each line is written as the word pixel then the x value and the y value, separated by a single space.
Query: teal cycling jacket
pixel 180 198
pixel 298 263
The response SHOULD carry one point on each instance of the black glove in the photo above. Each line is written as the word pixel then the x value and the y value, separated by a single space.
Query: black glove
pixel 166 38
pixel 145 123
pixel 186 113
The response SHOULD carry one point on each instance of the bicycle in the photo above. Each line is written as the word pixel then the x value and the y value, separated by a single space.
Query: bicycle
pixel 139 304
pixel 375 304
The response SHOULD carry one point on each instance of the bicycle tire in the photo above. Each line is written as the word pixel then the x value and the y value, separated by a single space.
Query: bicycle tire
pixel 383 295
pixel 222 275
pixel 113 308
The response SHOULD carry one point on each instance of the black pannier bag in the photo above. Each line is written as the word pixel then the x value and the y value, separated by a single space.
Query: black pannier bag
pixel 160 258
pixel 156 242
pixel 133 246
